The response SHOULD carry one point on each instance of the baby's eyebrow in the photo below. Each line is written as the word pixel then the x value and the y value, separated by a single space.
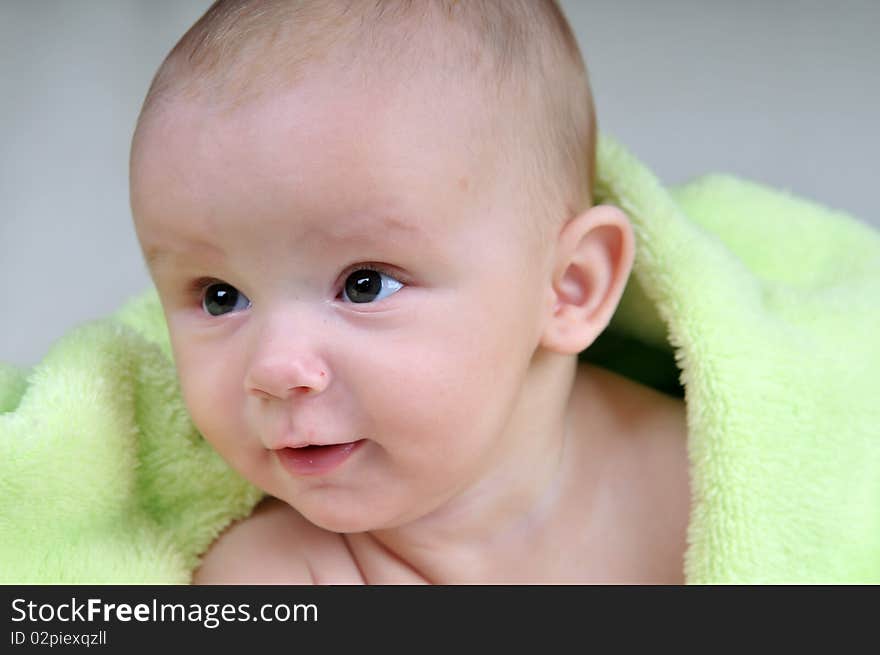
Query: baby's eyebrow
pixel 157 256
pixel 370 228
pixel 365 229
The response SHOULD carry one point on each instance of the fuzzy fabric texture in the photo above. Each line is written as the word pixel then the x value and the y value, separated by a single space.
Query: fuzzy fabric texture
pixel 759 307
pixel 103 477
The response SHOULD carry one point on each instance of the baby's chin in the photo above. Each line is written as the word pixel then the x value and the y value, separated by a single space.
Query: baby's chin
pixel 336 519
pixel 349 517
pixel 330 511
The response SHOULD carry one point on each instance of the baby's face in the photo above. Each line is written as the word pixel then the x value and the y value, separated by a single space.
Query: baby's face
pixel 345 269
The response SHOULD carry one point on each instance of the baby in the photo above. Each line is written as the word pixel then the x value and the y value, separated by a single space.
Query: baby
pixel 371 228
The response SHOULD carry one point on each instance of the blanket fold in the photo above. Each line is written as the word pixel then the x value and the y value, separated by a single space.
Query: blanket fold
pixel 760 308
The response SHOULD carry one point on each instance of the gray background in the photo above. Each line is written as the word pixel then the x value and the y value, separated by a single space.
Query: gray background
pixel 783 92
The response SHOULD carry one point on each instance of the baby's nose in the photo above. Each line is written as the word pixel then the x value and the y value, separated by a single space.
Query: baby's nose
pixel 286 375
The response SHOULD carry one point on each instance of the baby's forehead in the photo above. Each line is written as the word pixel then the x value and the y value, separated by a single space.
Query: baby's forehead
pixel 336 164
pixel 347 87
pixel 390 162
pixel 327 119
pixel 510 67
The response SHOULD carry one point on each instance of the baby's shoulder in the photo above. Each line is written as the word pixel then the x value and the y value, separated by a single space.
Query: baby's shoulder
pixel 635 414
pixel 638 439
pixel 275 544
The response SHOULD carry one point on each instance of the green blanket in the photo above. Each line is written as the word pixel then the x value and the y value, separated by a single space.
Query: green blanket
pixel 761 308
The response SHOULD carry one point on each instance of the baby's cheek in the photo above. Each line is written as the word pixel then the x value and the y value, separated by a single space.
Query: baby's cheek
pixel 442 392
pixel 209 397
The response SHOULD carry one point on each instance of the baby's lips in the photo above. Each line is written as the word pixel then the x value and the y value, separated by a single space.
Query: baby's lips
pixel 314 460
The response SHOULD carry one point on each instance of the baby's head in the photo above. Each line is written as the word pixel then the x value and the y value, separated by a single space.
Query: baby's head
pixel 368 225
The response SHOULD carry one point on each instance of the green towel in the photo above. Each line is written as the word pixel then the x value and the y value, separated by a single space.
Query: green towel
pixel 760 308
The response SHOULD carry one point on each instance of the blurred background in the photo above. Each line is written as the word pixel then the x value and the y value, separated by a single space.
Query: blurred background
pixel 786 93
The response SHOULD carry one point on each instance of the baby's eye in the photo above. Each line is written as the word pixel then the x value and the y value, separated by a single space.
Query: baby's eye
pixel 367 285
pixel 221 298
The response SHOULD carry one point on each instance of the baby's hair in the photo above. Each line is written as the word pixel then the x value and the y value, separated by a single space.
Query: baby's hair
pixel 525 50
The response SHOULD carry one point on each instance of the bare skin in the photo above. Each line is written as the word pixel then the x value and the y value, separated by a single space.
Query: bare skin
pixel 486 454
pixel 619 514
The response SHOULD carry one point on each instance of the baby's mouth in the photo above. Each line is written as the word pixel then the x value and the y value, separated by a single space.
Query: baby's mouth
pixel 314 459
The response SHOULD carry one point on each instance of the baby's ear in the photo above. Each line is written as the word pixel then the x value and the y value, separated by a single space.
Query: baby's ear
pixel 594 255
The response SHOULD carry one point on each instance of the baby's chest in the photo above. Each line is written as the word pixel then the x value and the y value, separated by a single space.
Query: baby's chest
pixel 374 564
